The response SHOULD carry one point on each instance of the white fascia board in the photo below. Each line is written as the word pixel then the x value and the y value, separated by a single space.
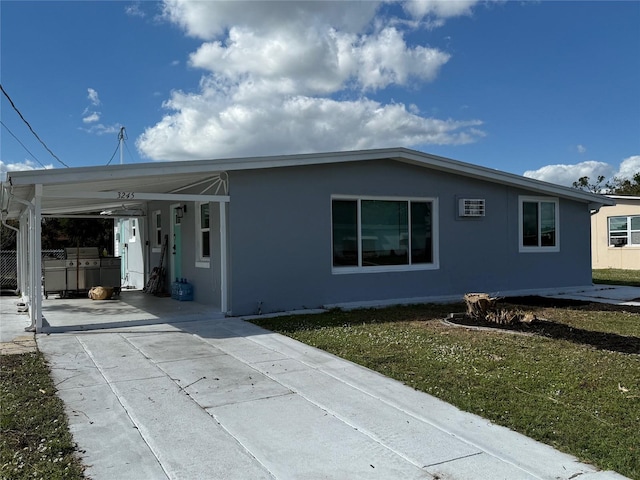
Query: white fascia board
pixel 624 197
pixel 115 172
pixel 130 196
pixel 210 166
pixel 488 174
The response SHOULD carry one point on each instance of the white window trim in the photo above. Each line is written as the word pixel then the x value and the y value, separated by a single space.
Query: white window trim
pixel 538 249
pixel 628 245
pixel 435 234
pixel 156 248
pixel 201 262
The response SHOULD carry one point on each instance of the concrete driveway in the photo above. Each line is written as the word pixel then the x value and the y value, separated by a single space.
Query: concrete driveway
pixel 220 398
pixel 158 389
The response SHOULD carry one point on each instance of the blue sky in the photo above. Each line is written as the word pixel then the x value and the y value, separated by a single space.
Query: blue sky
pixel 542 88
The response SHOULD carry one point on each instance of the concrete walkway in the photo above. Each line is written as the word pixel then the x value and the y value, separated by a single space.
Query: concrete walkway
pixel 614 294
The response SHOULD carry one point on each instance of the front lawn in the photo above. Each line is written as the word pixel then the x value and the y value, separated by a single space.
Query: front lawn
pixel 582 398
pixel 35 439
pixel 617 276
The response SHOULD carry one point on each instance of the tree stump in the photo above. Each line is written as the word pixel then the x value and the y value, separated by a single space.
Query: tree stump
pixel 480 305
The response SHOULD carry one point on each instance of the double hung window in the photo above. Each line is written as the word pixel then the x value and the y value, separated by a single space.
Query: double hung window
pixel 203 238
pixel 381 234
pixel 538 224
pixel 624 231
pixel 157 229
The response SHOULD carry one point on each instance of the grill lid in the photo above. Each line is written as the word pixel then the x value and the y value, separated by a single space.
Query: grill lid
pixel 82 252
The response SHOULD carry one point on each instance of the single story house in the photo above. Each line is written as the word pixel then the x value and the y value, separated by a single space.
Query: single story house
pixel 615 234
pixel 369 227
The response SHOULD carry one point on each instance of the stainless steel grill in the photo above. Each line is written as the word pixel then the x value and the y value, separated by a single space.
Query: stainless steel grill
pixel 82 270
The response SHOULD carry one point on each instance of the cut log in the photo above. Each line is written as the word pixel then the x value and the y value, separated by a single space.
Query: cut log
pixel 479 305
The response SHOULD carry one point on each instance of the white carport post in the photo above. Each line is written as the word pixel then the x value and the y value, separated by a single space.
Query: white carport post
pixel 35 251
pixel 224 284
pixel 23 252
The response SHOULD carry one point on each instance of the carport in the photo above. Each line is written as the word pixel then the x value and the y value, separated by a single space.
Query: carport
pixel 86 192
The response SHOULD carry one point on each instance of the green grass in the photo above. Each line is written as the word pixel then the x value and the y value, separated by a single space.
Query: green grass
pixel 35 442
pixel 617 276
pixel 578 398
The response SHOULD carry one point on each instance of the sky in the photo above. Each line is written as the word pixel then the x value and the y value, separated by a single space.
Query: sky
pixel 545 89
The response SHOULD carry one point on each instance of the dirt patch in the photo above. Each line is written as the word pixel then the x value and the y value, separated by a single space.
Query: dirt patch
pixel 19 345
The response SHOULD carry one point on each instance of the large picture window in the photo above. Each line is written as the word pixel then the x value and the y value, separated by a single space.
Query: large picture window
pixel 538 224
pixel 624 231
pixel 380 234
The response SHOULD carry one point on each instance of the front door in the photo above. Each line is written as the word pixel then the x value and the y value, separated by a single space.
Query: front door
pixel 175 251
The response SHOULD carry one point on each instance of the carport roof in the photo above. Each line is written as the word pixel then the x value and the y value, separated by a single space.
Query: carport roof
pixel 170 178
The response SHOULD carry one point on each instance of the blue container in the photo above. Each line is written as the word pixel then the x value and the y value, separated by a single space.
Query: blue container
pixel 182 291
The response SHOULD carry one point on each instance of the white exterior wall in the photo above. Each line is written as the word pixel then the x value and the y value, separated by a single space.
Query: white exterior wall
pixel 605 256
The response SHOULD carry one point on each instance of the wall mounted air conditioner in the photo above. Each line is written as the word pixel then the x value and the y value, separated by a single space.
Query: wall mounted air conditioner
pixel 471 207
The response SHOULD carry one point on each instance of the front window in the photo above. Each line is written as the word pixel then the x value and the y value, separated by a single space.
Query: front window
pixel 157 229
pixel 538 224
pixel 202 225
pixel 372 234
pixel 624 231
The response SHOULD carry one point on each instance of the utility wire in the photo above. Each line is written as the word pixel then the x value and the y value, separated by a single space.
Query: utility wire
pixel 114 154
pixel 130 154
pixel 18 140
pixel 28 125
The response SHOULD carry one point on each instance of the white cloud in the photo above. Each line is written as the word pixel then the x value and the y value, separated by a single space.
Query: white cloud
pixel 296 125
pixel 134 10
pixel 208 20
pixel 100 129
pixel 439 9
pixel 287 77
pixel 567 174
pixel 629 167
pixel 92 117
pixel 17 167
pixel 92 95
pixel 581 148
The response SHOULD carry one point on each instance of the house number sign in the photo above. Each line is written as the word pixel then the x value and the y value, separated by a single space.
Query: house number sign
pixel 126 195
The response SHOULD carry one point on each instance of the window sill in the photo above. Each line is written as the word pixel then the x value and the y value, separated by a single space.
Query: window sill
pixel 539 249
pixel 203 264
pixel 384 269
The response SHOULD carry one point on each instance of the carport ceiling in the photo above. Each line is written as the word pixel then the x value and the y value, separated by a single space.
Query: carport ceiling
pixel 54 203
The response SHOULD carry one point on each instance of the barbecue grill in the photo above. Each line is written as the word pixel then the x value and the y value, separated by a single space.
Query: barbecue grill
pixel 81 270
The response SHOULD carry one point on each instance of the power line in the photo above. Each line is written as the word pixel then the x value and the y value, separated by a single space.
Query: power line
pixel 114 153
pixel 28 125
pixel 18 140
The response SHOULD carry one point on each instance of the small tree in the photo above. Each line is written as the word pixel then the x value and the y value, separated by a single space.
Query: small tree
pixel 583 183
pixel 625 186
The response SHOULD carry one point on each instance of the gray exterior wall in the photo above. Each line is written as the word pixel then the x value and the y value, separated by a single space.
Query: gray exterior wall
pixel 206 281
pixel 280 238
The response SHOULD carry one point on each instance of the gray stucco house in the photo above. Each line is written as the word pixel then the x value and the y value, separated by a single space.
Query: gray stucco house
pixel 370 227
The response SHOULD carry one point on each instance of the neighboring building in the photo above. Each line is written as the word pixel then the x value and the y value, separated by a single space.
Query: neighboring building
pixel 267 234
pixel 615 234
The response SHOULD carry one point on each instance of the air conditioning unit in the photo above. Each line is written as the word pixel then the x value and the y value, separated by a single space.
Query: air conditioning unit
pixel 471 207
